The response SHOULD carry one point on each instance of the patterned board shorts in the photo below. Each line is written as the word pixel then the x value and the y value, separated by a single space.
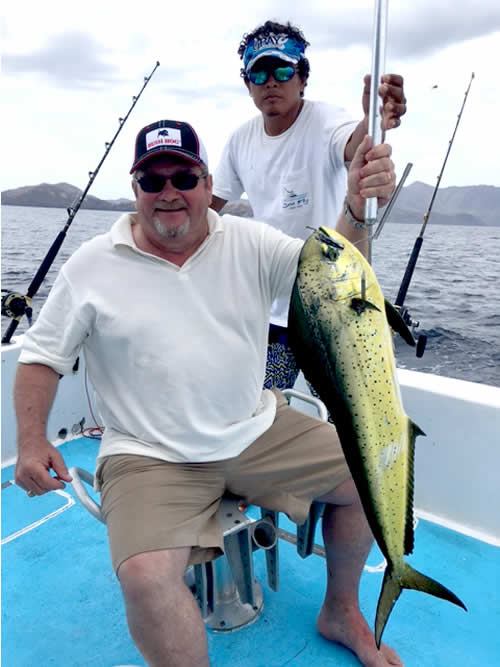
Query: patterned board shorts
pixel 282 370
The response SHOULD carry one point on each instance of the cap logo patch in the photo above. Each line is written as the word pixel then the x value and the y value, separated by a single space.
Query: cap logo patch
pixel 273 45
pixel 163 137
pixel 270 41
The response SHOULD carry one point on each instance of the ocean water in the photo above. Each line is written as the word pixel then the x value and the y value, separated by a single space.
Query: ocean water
pixel 453 294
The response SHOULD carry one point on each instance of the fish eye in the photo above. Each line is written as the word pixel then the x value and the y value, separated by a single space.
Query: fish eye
pixel 330 252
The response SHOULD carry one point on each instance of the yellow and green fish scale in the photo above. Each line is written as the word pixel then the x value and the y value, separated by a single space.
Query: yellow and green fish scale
pixel 338 329
pixel 361 347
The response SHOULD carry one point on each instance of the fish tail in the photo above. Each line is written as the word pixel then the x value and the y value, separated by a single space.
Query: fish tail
pixel 393 584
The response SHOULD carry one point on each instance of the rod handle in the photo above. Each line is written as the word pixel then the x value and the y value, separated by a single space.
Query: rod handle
pixel 410 268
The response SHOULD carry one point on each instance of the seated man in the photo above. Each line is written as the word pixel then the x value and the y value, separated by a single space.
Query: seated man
pixel 171 309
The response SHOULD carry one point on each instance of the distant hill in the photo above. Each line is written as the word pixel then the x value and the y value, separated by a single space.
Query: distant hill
pixel 471 205
pixel 468 205
pixel 61 195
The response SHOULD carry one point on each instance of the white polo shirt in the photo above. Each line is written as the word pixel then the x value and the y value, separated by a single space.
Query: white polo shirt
pixel 176 354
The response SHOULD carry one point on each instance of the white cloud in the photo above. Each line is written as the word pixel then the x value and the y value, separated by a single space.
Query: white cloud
pixel 72 59
pixel 69 74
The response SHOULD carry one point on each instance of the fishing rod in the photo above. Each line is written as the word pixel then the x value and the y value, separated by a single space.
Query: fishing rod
pixel 392 201
pixel 16 305
pixel 410 268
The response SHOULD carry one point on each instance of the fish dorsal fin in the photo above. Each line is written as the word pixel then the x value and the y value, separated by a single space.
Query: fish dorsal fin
pixel 397 323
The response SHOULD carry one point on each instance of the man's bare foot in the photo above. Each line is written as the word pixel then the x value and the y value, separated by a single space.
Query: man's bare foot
pixel 350 629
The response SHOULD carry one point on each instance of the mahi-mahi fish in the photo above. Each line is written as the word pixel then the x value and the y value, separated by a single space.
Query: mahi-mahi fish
pixel 340 328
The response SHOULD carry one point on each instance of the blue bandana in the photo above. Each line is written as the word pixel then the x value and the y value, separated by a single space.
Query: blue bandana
pixel 280 46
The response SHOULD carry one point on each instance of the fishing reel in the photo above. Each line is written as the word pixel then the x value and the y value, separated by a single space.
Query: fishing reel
pixel 421 340
pixel 16 305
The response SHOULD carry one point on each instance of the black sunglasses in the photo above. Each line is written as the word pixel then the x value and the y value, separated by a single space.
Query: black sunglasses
pixel 181 180
pixel 281 73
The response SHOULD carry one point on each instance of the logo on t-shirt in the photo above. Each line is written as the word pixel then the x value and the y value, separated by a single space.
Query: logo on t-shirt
pixel 292 201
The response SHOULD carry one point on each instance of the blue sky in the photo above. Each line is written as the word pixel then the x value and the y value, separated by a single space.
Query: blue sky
pixel 69 73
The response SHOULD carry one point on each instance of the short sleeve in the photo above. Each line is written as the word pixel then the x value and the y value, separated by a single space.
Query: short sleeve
pixel 227 184
pixel 56 337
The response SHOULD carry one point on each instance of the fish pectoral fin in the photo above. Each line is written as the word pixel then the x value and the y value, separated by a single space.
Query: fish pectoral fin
pixel 411 579
pixel 397 323
pixel 360 305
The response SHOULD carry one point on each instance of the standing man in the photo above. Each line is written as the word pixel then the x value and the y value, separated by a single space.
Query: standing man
pixel 291 159
pixel 176 302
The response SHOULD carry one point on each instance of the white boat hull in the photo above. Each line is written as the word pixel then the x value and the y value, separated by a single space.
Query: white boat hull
pixel 456 466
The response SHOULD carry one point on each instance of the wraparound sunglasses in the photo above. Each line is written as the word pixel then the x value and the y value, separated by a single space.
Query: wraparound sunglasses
pixel 280 74
pixel 181 180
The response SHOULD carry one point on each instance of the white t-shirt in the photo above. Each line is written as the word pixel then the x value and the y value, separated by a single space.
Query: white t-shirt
pixel 293 181
pixel 176 354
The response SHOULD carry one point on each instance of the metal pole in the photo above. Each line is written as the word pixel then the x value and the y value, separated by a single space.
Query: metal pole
pixel 375 118
pixel 72 211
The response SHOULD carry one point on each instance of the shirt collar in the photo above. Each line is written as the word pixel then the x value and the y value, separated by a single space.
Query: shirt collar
pixel 121 231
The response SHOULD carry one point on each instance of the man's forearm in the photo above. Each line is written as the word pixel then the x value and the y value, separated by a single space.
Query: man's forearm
pixel 217 203
pixel 34 392
pixel 357 236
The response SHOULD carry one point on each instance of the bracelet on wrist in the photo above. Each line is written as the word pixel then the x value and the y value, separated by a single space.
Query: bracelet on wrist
pixel 351 218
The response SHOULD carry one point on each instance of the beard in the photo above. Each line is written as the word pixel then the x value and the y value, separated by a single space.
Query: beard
pixel 171 232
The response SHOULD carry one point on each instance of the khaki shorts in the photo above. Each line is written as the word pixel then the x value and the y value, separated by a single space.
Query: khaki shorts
pixel 149 504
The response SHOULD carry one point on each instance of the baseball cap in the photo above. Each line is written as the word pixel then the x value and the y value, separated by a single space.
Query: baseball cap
pixel 169 137
pixel 278 45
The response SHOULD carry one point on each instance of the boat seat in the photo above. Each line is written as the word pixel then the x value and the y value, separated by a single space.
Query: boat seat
pixel 227 592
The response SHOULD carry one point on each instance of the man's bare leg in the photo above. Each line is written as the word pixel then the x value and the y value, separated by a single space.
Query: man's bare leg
pixel 163 617
pixel 348 540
